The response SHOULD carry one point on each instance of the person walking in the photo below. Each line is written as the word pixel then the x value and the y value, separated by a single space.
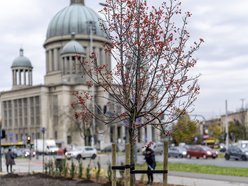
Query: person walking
pixel 10 160
pixel 151 163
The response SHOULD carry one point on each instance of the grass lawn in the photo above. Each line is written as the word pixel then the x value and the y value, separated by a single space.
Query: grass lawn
pixel 208 169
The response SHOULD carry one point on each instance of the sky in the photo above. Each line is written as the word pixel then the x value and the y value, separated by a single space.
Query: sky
pixel 222 59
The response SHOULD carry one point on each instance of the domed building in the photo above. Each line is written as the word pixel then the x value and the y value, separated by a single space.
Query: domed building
pixel 37 110
pixel 28 108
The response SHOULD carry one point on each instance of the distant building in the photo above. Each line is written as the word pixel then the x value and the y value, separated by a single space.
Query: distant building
pixel 240 117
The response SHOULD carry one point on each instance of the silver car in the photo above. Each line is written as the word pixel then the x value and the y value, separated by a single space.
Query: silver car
pixel 177 152
pixel 82 153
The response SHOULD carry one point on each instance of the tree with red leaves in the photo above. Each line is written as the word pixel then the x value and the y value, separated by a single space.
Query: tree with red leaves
pixel 152 58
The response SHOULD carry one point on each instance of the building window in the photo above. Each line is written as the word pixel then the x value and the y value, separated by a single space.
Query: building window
pixel 10 113
pixel 20 112
pixel 32 113
pixel 25 104
pixel 68 139
pixel 16 113
pixel 56 134
pixel 55 110
pixel 37 110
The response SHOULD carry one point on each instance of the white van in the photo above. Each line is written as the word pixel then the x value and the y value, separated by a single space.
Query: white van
pixel 243 144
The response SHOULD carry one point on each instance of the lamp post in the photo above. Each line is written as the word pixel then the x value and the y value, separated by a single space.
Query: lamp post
pixel 90 24
pixel 43 129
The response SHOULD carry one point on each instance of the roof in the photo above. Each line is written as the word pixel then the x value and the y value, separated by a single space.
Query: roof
pixel 73 47
pixel 75 18
pixel 21 61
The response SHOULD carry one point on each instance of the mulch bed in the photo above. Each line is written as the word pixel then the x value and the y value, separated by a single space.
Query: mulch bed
pixel 39 179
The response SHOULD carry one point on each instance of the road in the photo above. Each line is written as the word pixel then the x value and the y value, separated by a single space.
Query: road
pixel 218 161
pixel 183 178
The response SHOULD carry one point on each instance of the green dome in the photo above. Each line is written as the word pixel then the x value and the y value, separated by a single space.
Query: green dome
pixel 74 18
pixel 21 61
pixel 73 47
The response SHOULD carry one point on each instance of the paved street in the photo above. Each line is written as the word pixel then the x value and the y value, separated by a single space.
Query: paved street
pixel 182 178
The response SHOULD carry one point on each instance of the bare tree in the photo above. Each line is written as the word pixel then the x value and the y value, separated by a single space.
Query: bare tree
pixel 79 121
pixel 152 60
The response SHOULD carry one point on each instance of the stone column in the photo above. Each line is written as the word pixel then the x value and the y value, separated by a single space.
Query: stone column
pixel 55 59
pixel 20 78
pixel 49 60
pixel 24 76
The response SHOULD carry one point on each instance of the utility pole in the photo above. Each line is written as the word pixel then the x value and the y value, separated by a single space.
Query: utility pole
pixel 243 114
pixel 242 106
pixel 226 124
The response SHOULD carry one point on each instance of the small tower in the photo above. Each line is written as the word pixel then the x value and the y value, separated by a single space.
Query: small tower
pixel 72 55
pixel 21 72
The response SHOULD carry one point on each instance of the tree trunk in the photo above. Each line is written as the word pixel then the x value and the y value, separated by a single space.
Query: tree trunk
pixel 132 160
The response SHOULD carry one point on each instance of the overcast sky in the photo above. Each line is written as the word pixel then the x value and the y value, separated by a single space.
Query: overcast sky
pixel 222 60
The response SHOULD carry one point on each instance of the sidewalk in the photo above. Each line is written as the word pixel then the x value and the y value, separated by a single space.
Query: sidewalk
pixel 201 182
pixel 189 179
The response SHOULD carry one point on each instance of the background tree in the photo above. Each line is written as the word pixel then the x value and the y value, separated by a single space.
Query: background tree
pixel 152 60
pixel 185 130
pixel 79 121
pixel 214 131
pixel 236 131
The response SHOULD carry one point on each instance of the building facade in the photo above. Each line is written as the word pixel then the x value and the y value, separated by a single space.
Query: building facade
pixel 28 109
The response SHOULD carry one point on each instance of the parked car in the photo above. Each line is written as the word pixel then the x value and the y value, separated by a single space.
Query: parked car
pixel 27 152
pixel 82 153
pixel 109 149
pixel 200 151
pixel 157 147
pixel 237 153
pixel 222 147
pixel 177 152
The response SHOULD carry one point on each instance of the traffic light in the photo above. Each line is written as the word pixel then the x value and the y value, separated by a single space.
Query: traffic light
pixel 104 109
pixel 28 140
pixel 3 134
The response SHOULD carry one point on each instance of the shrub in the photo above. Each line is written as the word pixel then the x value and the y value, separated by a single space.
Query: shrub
pixel 109 173
pixel 88 173
pixel 80 169
pixel 72 170
pixel 98 171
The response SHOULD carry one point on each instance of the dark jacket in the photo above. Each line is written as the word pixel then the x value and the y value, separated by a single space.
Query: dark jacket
pixel 10 158
pixel 150 157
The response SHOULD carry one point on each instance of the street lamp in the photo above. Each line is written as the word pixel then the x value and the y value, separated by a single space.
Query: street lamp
pixel 43 129
pixel 91 24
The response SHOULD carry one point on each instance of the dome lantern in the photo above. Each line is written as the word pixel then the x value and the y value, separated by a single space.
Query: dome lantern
pixel 77 2
pixel 21 61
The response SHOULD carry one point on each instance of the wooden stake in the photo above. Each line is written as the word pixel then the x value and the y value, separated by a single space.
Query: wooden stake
pixel 165 166
pixel 127 171
pixel 114 164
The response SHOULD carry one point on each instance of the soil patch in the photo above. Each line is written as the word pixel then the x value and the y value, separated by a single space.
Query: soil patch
pixel 40 179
